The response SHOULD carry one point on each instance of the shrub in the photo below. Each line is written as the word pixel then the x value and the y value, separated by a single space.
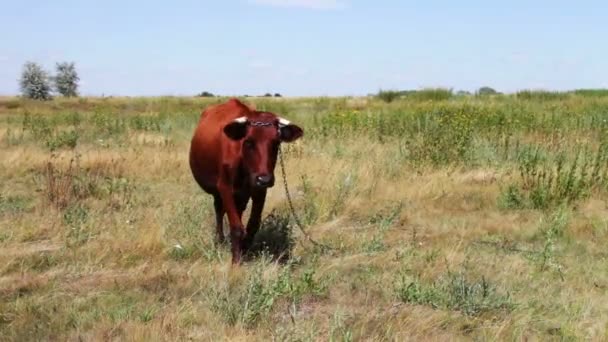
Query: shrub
pixel 63 187
pixel 13 204
pixel 253 300
pixel 454 291
pixel 62 139
pixel 205 94
pixel 486 91
pixel 540 95
pixel 431 94
pixel 591 92
pixel 448 138
pixel 12 104
pixel 545 182
pixel 388 95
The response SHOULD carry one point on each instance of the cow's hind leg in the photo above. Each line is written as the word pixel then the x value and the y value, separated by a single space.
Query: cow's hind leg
pixel 219 218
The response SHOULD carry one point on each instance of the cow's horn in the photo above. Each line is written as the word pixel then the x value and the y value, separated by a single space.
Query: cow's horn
pixel 283 122
pixel 241 120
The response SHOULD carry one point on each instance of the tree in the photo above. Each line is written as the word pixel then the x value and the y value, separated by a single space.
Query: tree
pixel 35 82
pixel 486 91
pixel 66 80
pixel 268 95
pixel 277 95
pixel 205 94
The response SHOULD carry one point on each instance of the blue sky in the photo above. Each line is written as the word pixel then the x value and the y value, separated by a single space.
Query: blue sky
pixel 308 47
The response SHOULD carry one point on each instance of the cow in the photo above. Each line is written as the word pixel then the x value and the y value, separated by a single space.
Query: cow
pixel 233 153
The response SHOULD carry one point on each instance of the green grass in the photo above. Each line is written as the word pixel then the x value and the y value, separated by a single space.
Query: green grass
pixel 448 217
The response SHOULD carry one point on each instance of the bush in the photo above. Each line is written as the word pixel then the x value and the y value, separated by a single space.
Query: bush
pixel 540 95
pixel 388 95
pixel 13 204
pixel 12 104
pixel 431 94
pixel 447 138
pixel 253 300
pixel 62 139
pixel 455 291
pixel 511 198
pixel 205 94
pixel 486 91
pixel 546 182
pixel 591 92
pixel 35 82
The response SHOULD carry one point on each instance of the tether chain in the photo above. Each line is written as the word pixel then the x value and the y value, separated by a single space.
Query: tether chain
pixel 293 211
pixel 260 123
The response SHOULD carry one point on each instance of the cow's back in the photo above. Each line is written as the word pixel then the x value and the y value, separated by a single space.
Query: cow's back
pixel 210 147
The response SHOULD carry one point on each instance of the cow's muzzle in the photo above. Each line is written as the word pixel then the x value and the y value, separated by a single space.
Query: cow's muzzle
pixel 264 181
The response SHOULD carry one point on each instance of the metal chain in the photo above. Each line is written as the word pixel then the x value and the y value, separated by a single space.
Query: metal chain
pixel 293 211
pixel 260 123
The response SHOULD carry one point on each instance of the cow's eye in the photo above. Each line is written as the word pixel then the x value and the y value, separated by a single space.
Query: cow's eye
pixel 249 143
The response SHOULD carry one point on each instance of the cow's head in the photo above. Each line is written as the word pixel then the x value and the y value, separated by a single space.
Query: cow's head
pixel 260 138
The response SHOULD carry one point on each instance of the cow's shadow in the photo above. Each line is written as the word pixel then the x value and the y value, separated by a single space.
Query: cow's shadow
pixel 274 239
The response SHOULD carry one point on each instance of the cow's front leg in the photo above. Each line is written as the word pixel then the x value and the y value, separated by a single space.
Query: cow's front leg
pixel 240 201
pixel 237 231
pixel 258 199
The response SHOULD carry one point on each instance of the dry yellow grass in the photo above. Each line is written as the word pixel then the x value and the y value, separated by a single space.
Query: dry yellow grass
pixel 127 251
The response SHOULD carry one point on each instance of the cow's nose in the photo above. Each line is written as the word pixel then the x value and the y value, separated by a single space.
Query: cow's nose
pixel 263 181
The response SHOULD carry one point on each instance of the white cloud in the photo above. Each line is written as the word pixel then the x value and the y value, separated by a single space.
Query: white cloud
pixel 309 4
pixel 249 53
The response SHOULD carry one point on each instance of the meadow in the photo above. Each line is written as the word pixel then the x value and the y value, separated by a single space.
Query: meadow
pixel 439 217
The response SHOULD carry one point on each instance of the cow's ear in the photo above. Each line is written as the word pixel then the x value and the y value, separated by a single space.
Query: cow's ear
pixel 237 129
pixel 289 132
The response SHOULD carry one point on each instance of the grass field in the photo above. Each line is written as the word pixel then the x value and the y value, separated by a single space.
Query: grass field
pixel 447 218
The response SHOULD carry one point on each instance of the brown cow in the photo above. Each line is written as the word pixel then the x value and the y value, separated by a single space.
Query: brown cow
pixel 232 157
